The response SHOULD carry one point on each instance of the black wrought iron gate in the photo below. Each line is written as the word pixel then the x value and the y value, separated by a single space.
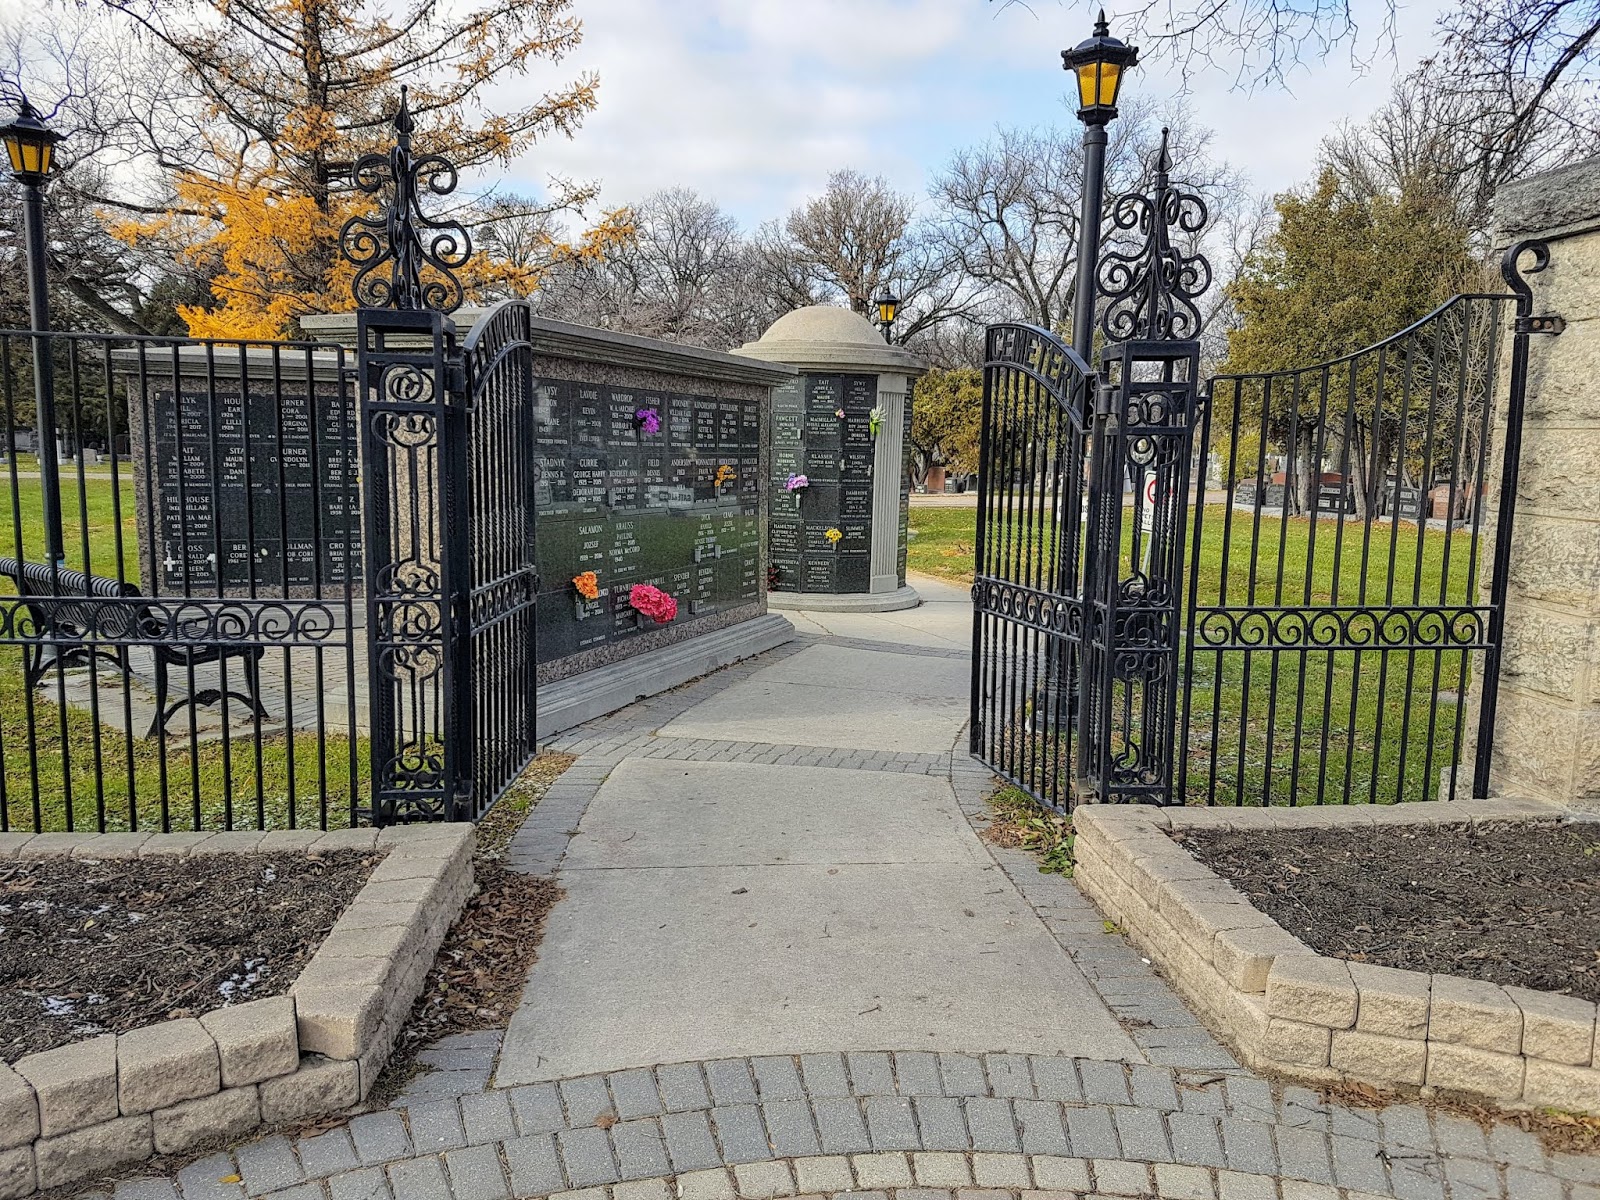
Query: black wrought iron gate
pixel 1276 589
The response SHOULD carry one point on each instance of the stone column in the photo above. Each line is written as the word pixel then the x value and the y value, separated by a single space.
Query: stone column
pixel 1547 730
pixel 889 460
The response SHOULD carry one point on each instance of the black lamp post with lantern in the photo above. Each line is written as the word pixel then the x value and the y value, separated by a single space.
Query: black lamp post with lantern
pixel 1098 65
pixel 30 146
pixel 888 306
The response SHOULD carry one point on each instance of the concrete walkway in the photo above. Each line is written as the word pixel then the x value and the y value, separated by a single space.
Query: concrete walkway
pixel 786 964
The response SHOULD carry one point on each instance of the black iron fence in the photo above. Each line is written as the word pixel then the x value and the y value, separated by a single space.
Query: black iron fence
pixel 1273 589
pixel 180 572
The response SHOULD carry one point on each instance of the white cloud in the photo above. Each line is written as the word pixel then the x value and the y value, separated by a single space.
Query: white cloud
pixel 754 102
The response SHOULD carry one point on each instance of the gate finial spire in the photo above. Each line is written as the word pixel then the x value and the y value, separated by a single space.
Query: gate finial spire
pixel 421 254
pixel 1151 287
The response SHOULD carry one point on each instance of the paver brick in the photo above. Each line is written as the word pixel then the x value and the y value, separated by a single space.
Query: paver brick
pixel 76 1085
pixel 1061 1174
pixel 825 1074
pixel 254 1041
pixel 1141 1134
pixel 740 1133
pixel 764 1180
pixel 640 1153
pixel 1104 1082
pixel 419 1179
pixel 1247 1146
pixel 268 1164
pixel 1122 1178
pixel 962 1075
pixel 991 1125
pixel 211 1178
pixel 825 1173
pixel 327 1154
pixel 789 1128
pixel 1303 1154
pixel 634 1094
pixel 1042 1130
pixel 1008 1075
pixel 586 1154
pixel 881 1170
pixel 380 1137
pixel 890 1123
pixel 1152 1088
pixel 1091 1133
pixel 586 1099
pixel 1194 1139
pixel 943 1170
pixel 1358 1164
pixel 917 1073
pixel 777 1078
pixel 940 1123
pixel 1055 1077
pixel 487 1117
pixel 1177 1182
pixel 730 1082
pixel 1000 1171
pixel 535 1166
pixel 476 1174
pixel 840 1126
pixel 537 1108
pixel 689 1141
pixel 871 1074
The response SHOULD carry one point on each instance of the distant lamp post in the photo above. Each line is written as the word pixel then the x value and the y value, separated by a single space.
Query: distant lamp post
pixel 1098 66
pixel 30 145
pixel 888 304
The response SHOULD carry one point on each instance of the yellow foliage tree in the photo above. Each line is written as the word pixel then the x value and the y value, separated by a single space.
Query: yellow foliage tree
pixel 289 93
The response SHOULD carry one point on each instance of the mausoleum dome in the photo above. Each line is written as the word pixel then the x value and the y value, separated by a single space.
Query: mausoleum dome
pixel 826 337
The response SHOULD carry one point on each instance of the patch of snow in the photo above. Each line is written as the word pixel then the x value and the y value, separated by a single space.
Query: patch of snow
pixel 237 984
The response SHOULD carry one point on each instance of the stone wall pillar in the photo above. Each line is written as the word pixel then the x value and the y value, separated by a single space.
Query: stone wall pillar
pixel 1547 730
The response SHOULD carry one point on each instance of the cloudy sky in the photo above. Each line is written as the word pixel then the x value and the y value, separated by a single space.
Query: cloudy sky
pixel 754 102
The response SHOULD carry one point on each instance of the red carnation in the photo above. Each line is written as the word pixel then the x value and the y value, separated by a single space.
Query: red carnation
pixel 653 602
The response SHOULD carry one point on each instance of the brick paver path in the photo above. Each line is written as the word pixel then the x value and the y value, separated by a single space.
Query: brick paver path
pixel 1180 1120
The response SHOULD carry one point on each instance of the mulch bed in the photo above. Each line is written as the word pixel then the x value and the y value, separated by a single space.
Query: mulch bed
pixel 1516 904
pixel 107 947
pixel 477 979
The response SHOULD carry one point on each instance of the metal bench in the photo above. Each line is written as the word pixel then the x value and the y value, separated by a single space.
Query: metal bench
pixel 89 616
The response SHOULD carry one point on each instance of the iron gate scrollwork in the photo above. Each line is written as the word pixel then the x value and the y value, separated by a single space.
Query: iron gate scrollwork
pixel 412 417
pixel 1272 589
pixel 1027 586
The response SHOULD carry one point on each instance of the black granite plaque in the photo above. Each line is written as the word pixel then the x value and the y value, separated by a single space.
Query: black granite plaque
pixel 822 429
pixel 254 496
pixel 644 507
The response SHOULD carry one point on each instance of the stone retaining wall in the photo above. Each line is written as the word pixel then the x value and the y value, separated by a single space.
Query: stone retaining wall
pixel 1287 1010
pixel 83 1109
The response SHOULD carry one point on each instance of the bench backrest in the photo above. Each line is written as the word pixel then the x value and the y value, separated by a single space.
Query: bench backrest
pixel 63 600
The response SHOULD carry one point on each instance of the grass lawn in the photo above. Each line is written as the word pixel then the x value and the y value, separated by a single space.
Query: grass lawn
pixel 75 773
pixel 1299 725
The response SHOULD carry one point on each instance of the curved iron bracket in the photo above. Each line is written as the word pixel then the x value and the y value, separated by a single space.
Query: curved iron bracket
pixel 1514 275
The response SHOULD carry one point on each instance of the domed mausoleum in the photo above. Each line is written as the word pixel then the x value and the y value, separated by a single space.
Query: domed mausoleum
pixel 840 482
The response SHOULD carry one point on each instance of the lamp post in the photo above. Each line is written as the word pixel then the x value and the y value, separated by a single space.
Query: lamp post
pixel 1098 64
pixel 30 145
pixel 888 304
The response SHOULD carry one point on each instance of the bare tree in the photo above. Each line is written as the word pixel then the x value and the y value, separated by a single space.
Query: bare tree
pixel 1010 209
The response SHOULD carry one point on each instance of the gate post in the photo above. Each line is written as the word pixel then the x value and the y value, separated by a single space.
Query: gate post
pixel 1143 435
pixel 413 453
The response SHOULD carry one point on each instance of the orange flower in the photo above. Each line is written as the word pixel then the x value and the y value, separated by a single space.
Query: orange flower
pixel 588 585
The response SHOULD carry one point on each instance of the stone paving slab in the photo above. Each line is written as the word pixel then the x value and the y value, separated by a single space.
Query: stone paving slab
pixel 793 959
pixel 654 813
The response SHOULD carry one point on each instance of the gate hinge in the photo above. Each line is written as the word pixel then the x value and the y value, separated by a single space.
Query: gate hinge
pixel 1544 323
pixel 455 376
pixel 1103 402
